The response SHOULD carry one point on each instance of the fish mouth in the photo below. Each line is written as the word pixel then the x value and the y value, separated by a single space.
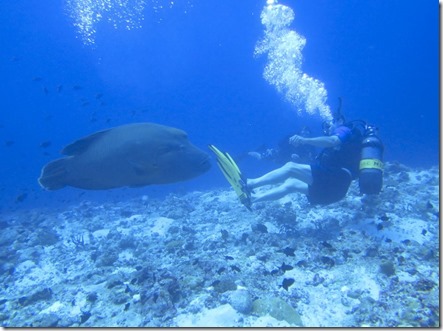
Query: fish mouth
pixel 205 163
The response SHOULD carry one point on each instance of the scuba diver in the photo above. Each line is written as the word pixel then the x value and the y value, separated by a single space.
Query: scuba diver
pixel 286 151
pixel 349 151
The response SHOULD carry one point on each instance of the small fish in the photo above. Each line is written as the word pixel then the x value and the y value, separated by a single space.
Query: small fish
pixel 429 205
pixel 384 218
pixel 59 88
pixel 84 104
pixel 286 267
pixel 379 226
pixel 327 245
pixel 21 197
pixel 288 251
pixel 287 282
pixel 45 90
pixel 45 144
pixel 36 79
pixel 227 257
pixel 9 143
pixel 235 268
pixel 98 95
pixel 76 87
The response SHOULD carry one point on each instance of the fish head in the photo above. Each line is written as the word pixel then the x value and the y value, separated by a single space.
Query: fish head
pixel 180 160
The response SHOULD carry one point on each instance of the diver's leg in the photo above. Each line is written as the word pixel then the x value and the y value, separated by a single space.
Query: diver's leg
pixel 290 185
pixel 290 169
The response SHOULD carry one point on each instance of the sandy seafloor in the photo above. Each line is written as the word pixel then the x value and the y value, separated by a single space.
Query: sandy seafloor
pixel 202 259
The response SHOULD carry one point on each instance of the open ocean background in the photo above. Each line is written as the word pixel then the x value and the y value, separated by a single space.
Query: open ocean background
pixel 191 65
pixel 188 253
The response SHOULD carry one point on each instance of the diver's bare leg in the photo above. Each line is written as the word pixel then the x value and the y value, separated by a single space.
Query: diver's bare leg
pixel 291 185
pixel 289 170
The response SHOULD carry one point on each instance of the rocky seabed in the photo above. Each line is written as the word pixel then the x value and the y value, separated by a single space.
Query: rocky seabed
pixel 202 259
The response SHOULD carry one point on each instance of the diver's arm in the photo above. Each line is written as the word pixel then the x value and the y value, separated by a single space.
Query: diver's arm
pixel 323 142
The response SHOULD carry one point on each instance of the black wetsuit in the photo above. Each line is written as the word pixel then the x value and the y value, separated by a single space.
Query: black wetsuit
pixel 335 168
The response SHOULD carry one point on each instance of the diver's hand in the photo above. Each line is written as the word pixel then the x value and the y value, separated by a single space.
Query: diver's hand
pixel 295 157
pixel 296 140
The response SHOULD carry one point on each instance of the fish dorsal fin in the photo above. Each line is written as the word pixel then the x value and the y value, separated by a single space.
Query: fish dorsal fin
pixel 81 145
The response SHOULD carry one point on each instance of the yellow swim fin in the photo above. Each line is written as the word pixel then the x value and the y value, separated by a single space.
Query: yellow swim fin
pixel 233 174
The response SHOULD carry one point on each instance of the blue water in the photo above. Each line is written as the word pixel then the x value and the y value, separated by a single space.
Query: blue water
pixel 191 65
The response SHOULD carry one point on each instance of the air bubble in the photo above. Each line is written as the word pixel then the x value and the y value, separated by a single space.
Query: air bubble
pixel 121 14
pixel 284 66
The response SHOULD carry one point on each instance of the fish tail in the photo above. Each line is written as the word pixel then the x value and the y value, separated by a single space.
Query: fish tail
pixel 53 176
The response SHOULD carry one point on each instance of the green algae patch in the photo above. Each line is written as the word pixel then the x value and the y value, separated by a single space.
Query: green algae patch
pixel 277 308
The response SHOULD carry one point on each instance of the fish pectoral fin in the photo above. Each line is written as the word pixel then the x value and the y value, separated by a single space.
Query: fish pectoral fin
pixel 139 168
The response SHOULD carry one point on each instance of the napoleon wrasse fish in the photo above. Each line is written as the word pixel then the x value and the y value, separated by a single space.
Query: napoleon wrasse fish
pixel 131 155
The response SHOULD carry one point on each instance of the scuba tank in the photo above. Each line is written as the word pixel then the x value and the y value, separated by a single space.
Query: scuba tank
pixel 371 162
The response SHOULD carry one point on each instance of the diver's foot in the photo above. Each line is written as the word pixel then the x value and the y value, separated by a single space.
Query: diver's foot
pixel 245 199
pixel 246 202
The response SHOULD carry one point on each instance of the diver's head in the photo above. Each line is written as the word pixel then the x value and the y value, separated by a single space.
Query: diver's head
pixel 328 127
pixel 338 118
pixel 305 132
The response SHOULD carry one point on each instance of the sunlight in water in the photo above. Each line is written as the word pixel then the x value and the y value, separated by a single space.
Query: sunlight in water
pixel 126 14
pixel 284 66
